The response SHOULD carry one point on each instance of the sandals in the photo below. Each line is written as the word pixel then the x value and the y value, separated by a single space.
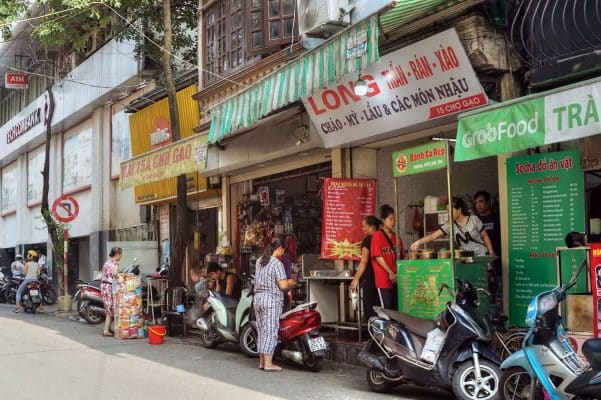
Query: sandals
pixel 107 334
pixel 274 368
pixel 17 310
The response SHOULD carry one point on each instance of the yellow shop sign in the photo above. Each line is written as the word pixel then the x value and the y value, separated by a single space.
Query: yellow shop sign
pixel 185 156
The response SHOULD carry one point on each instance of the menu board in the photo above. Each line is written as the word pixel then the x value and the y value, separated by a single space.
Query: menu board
pixel 9 188
pixel 77 159
pixel 418 284
pixel 346 203
pixel 546 202
pixel 35 179
pixel 596 286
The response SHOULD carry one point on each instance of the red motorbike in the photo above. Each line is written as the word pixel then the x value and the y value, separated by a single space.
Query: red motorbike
pixel 299 339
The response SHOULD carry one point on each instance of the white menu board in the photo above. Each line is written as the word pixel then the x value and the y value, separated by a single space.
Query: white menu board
pixel 77 159
pixel 35 180
pixel 9 188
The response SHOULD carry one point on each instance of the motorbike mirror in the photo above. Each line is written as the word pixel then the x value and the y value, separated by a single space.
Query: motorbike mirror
pixel 575 239
pixel 135 260
pixel 444 286
pixel 486 292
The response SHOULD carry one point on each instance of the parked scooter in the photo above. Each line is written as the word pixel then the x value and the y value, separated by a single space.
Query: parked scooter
pixel 88 296
pixel 48 294
pixel 10 289
pixel 225 317
pixel 547 361
pixel 299 339
pixel 32 297
pixel 452 352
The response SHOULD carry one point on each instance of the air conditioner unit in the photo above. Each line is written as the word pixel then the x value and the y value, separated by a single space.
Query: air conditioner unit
pixel 323 18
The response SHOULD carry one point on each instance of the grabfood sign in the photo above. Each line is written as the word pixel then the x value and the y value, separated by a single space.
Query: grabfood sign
pixel 567 115
pixel 422 82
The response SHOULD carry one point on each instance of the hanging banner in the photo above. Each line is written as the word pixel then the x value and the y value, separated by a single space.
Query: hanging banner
pixel 429 157
pixel 546 201
pixel 182 157
pixel 428 80
pixel 345 203
pixel 567 115
pixel 596 286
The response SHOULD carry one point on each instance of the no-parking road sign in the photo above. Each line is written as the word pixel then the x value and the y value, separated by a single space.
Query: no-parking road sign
pixel 65 208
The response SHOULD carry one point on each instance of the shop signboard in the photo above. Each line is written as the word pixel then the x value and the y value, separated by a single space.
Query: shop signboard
pixel 596 286
pixel 16 80
pixel 346 203
pixel 423 82
pixel 429 157
pixel 185 156
pixel 546 201
pixel 418 284
pixel 565 115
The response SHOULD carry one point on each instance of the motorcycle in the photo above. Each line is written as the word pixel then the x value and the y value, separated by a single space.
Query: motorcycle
pixel 32 297
pixel 547 365
pixel 10 289
pixel 452 352
pixel 48 293
pixel 88 297
pixel 225 317
pixel 299 340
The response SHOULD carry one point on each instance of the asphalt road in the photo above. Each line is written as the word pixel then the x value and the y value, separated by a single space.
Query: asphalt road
pixel 53 357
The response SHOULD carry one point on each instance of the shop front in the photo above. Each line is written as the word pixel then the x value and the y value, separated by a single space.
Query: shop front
pixel 546 193
pixel 413 96
pixel 153 169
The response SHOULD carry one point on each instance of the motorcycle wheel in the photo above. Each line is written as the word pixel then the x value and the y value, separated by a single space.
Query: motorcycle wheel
pixel 209 338
pixel 49 296
pixel 516 384
pixel 248 340
pixel 28 306
pixel 90 316
pixel 2 297
pixel 377 383
pixel 10 293
pixel 314 363
pixel 464 381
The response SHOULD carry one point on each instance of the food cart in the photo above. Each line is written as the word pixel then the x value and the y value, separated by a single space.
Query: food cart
pixel 420 280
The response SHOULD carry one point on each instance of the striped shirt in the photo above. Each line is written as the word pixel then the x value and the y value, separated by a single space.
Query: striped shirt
pixel 268 276
pixel 468 237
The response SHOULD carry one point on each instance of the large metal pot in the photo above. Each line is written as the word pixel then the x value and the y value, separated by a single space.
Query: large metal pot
pixel 444 254
pixel 413 255
pixel 427 254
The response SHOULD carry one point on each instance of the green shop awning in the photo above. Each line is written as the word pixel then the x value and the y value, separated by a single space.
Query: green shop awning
pixel 311 71
pixel 567 113
pixel 406 11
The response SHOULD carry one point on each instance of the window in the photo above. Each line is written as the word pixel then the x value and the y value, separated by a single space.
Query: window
pixel 280 22
pixel 238 30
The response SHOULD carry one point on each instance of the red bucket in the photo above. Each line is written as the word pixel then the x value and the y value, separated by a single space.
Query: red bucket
pixel 156 333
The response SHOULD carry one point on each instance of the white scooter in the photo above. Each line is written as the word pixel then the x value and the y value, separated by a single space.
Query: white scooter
pixel 225 318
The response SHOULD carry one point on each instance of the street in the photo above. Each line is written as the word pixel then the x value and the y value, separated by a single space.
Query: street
pixel 50 356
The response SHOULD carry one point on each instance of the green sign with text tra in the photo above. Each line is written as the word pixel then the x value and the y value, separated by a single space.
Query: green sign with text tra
pixel 428 157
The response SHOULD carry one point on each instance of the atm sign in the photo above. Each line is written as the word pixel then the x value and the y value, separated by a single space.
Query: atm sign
pixel 16 80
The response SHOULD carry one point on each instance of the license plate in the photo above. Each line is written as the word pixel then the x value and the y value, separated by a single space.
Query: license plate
pixel 33 292
pixel 316 344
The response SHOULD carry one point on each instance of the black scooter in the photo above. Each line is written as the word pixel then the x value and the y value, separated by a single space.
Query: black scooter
pixel 452 352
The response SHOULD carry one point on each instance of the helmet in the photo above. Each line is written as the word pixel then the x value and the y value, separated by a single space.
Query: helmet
pixel 32 254
pixel 19 256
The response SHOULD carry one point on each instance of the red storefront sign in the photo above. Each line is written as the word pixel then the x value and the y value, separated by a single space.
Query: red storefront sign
pixel 16 80
pixel 596 285
pixel 345 203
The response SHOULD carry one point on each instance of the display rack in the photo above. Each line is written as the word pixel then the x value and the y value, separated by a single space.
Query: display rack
pixel 151 302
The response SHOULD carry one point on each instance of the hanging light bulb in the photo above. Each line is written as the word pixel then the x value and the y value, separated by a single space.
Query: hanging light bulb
pixel 360 86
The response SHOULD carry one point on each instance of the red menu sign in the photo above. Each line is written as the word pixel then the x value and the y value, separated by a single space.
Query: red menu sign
pixel 596 285
pixel 346 203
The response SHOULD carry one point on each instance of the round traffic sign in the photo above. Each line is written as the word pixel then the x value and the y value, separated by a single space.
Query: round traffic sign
pixel 65 208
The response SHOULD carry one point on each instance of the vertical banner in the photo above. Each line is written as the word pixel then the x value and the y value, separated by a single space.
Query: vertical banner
pixel 345 203
pixel 596 286
pixel 546 202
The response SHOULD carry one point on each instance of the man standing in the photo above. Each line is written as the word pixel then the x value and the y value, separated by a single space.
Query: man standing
pixel 17 267
pixel 492 224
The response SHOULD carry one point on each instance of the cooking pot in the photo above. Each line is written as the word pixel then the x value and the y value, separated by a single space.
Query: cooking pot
pixel 463 253
pixel 413 255
pixel 444 254
pixel 427 254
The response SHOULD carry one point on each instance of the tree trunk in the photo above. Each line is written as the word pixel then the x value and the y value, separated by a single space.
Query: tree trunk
pixel 178 248
pixel 54 229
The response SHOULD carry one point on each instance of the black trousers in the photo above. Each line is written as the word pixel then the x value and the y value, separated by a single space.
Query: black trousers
pixel 388 298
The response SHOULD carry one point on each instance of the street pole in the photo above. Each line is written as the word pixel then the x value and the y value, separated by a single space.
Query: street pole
pixel 66 262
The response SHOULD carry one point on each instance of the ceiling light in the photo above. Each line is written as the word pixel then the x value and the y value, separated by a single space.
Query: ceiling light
pixel 360 86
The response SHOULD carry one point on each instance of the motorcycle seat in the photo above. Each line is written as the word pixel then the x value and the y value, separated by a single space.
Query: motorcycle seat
pixel 418 326
pixel 592 351
pixel 228 301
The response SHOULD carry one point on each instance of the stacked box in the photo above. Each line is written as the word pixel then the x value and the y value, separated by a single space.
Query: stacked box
pixel 127 292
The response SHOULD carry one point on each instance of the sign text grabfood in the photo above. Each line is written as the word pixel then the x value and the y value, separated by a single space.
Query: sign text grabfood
pixel 427 80
pixel 567 115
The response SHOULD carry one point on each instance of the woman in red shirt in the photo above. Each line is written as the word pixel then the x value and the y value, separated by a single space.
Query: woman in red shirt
pixel 384 256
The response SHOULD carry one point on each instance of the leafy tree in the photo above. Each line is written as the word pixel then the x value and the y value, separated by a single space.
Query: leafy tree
pixel 160 29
